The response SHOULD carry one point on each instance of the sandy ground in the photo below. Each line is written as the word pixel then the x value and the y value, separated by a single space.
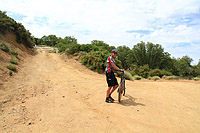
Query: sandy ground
pixel 53 94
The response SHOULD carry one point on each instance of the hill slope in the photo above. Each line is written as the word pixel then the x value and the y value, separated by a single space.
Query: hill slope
pixel 51 93
pixel 10 39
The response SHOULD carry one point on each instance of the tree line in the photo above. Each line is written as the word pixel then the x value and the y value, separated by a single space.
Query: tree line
pixel 144 59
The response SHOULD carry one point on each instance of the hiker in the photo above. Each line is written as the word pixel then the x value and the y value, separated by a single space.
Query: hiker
pixel 110 77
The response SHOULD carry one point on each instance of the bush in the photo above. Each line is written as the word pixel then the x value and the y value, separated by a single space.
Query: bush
pixel 4 47
pixel 95 60
pixel 154 78
pixel 158 72
pixel 13 60
pixel 128 76
pixel 14 52
pixel 12 68
pixel 196 78
pixel 75 54
pixel 136 77
pixel 61 47
pixel 170 77
pixel 74 48
pixel 52 51
pixel 10 73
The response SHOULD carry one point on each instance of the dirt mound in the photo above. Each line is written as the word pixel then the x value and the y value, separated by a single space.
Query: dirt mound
pixel 23 52
pixel 52 93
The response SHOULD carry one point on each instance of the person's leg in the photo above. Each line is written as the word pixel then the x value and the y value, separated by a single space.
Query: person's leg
pixel 113 89
pixel 108 100
pixel 108 91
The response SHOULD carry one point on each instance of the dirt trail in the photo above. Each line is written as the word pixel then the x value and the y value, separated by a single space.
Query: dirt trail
pixel 51 93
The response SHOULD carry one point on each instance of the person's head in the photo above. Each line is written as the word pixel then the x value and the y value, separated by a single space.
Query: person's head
pixel 114 53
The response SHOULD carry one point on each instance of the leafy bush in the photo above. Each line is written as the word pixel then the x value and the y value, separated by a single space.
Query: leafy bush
pixel 141 71
pixel 95 60
pixel 4 47
pixel 136 77
pixel 52 51
pixel 74 48
pixel 75 54
pixel 61 47
pixel 154 78
pixel 196 78
pixel 13 60
pixel 128 76
pixel 155 72
pixel 14 52
pixel 12 68
pixel 9 24
pixel 10 73
pixel 170 77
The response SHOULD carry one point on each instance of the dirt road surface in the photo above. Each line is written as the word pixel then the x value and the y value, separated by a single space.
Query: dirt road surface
pixel 54 94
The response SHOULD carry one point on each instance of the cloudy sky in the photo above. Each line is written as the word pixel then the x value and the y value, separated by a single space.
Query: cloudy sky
pixel 175 24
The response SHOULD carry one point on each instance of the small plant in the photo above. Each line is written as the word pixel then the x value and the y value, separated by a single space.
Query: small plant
pixel 154 78
pixel 10 73
pixel 76 54
pixel 170 77
pixel 14 52
pixel 196 78
pixel 12 68
pixel 136 77
pixel 4 47
pixel 13 60
pixel 128 76
pixel 52 51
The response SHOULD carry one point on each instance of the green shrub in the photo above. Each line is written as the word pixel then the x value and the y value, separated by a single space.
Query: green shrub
pixel 52 51
pixel 10 73
pixel 170 77
pixel 96 60
pixel 13 60
pixel 154 78
pixel 136 77
pixel 164 72
pixel 14 52
pixel 73 48
pixel 128 75
pixel 196 78
pixel 75 54
pixel 4 47
pixel 12 68
pixel 143 71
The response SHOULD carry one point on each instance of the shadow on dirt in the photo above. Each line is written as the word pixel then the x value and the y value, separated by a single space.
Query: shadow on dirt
pixel 130 101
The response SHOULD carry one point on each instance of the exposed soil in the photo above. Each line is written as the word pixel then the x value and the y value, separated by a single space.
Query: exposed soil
pixel 51 93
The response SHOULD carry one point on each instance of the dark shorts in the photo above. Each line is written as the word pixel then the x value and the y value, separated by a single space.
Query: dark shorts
pixel 111 79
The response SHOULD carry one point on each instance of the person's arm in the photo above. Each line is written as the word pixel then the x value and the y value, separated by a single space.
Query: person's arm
pixel 115 67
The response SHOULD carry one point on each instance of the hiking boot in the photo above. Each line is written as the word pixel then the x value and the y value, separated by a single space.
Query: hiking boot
pixel 111 98
pixel 108 100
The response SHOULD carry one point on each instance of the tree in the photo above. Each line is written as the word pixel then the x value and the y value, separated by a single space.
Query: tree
pixel 123 56
pixel 151 54
pixel 183 66
pixel 70 39
pixel 50 40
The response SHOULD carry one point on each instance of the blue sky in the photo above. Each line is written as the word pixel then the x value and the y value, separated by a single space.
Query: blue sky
pixel 175 24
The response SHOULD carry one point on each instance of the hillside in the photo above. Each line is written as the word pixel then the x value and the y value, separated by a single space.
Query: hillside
pixel 52 93
pixel 10 40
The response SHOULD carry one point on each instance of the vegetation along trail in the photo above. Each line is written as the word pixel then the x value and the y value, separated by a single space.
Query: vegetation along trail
pixel 51 93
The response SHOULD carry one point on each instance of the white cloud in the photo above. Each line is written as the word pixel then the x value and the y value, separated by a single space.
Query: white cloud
pixel 109 20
